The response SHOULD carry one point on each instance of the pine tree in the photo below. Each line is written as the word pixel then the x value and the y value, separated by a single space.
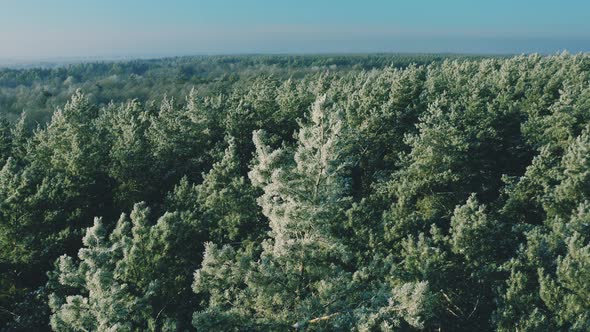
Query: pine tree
pixel 228 201
pixel 105 302
pixel 551 266
pixel 131 164
pixel 180 138
pixel 304 275
pixel 5 141
pixel 566 292
pixel 302 201
pixel 137 278
pixel 54 184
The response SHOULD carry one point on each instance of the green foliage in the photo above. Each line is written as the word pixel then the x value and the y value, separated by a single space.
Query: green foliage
pixel 445 195
pixel 228 201
pixel 118 282
pixel 5 141
pixel 304 274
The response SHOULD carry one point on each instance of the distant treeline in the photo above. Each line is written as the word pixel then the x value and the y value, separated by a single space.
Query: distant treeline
pixel 39 91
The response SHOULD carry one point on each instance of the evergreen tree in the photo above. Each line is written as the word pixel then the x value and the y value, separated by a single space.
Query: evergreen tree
pixel 5 140
pixel 304 275
pixel 551 267
pixel 48 191
pixel 180 138
pixel 131 165
pixel 227 201
pixel 106 302
pixel 137 278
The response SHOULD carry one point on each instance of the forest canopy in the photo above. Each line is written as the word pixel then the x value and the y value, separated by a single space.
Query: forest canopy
pixel 316 193
pixel 39 91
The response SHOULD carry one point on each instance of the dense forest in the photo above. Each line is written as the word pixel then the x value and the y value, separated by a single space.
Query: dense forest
pixel 315 193
pixel 39 91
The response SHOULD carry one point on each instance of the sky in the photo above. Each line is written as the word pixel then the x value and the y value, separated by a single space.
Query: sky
pixel 39 29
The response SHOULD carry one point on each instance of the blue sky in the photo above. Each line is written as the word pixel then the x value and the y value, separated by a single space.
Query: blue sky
pixel 74 28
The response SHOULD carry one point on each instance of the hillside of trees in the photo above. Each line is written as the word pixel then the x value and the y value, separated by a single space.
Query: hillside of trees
pixel 283 193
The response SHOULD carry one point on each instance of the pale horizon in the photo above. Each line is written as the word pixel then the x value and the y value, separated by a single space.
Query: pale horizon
pixel 38 30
